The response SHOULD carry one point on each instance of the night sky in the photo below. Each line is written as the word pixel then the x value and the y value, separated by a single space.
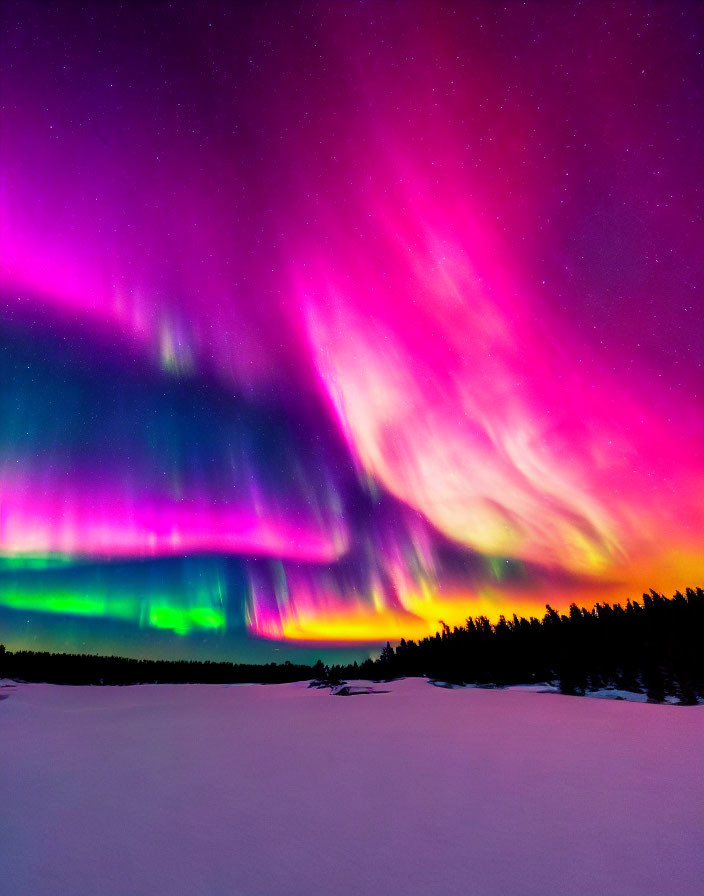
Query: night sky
pixel 324 322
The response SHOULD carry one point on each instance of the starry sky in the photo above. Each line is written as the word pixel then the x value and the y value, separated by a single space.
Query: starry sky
pixel 323 322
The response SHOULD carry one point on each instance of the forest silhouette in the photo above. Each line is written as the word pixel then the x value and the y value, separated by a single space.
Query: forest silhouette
pixel 651 647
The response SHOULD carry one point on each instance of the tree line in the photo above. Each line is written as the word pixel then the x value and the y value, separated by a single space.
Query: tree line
pixel 653 646
pixel 72 668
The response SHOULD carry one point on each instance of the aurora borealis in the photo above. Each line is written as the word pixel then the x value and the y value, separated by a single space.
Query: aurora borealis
pixel 324 322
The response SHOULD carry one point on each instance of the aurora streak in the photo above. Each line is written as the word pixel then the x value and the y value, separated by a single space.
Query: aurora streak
pixel 324 323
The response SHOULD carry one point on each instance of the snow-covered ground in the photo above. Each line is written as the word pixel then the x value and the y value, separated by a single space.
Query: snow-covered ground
pixel 279 790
